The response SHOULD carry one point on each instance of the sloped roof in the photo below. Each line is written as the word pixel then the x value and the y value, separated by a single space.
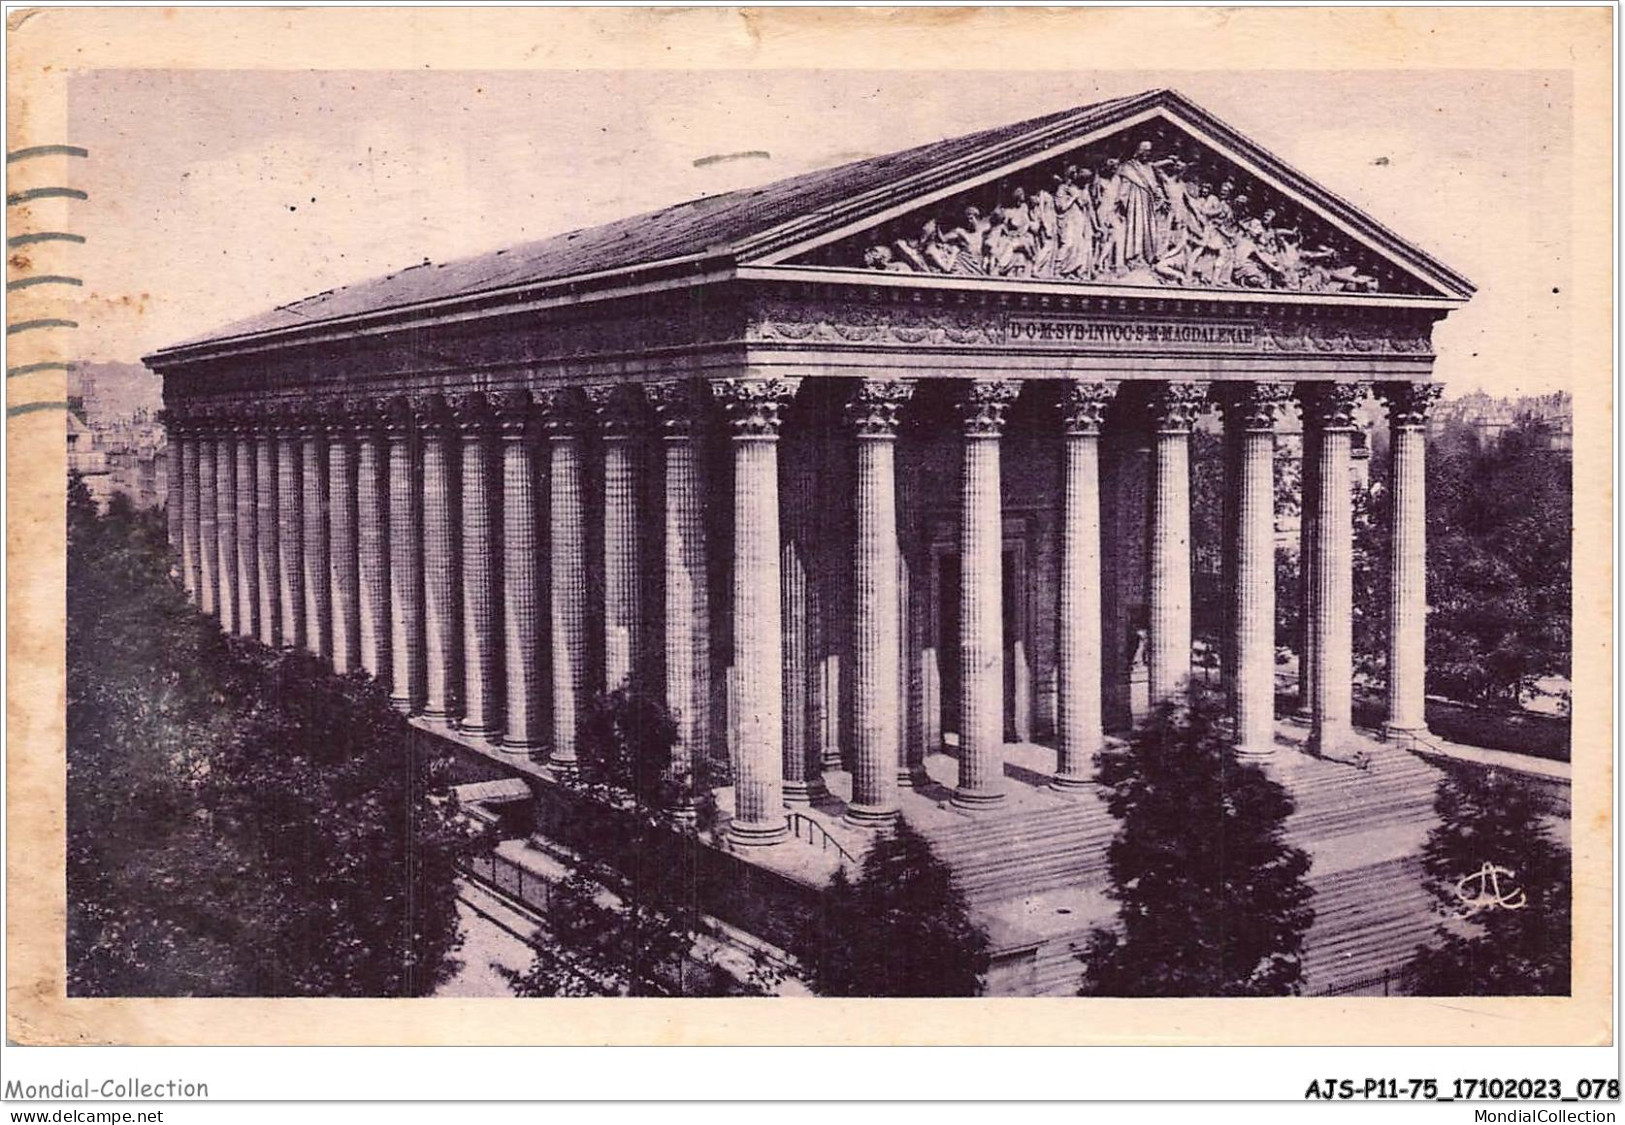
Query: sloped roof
pixel 728 225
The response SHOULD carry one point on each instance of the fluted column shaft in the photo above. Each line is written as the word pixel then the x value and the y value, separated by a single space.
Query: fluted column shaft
pixel 617 411
pixel 981 595
pixel 687 605
pixel 1174 409
pixel 1408 407
pixel 482 629
pixel 1308 512
pixel 408 670
pixel 561 413
pixel 524 716
pixel 342 555
pixel 803 761
pixel 1250 422
pixel 225 490
pixel 248 586
pixel 877 627
pixel 372 545
pixel 208 523
pixel 290 537
pixel 175 485
pixel 1329 409
pixel 191 514
pixel 318 587
pixel 1080 730
pixel 754 411
pixel 268 532
pixel 442 554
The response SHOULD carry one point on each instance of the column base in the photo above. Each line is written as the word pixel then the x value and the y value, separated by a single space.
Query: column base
pixel 404 706
pixel 522 748
pixel 870 816
pixel 1072 782
pixel 1253 751
pixel 805 792
pixel 1326 741
pixel 481 730
pixel 914 777
pixel 758 834
pixel 977 798
pixel 1393 732
pixel 565 764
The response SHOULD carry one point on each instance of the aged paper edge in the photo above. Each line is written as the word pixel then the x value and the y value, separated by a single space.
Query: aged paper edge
pixel 44 45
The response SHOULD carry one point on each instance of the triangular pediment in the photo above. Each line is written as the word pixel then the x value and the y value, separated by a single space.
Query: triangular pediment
pixel 1163 196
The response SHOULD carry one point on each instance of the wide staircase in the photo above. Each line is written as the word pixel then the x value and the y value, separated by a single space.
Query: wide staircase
pixel 1362 824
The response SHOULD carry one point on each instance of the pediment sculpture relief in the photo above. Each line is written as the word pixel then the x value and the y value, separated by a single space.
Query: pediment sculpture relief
pixel 1150 215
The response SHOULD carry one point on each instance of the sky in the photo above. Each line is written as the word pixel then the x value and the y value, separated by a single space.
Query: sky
pixel 216 195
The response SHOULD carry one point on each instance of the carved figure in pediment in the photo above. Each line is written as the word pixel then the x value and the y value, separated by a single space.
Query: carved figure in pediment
pixel 940 257
pixel 880 258
pixel 1045 231
pixel 971 242
pixel 1252 268
pixel 1143 206
pixel 1179 216
pixel 1076 224
pixel 1010 244
pixel 1112 248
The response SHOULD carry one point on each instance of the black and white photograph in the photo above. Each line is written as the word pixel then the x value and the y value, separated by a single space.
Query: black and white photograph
pixel 539 533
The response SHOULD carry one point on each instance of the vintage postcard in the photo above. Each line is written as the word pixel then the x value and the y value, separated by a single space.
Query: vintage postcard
pixel 728 526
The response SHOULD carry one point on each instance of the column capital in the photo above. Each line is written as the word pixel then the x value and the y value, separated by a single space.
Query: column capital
pixel 983 404
pixel 470 413
pixel 1173 406
pixel 876 405
pixel 1330 406
pixel 1083 405
pixel 617 408
pixel 561 410
pixel 676 406
pixel 515 413
pixel 1256 406
pixel 310 417
pixel 366 414
pixel 1409 404
pixel 755 407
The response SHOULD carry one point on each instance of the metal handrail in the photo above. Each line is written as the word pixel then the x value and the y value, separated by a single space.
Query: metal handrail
pixel 795 820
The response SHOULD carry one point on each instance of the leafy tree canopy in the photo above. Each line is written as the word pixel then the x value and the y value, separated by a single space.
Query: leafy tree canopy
pixel 1212 901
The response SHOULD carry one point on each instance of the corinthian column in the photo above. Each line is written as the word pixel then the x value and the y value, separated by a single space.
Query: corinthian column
pixel 248 585
pixel 754 408
pixel 225 491
pixel 1408 407
pixel 1249 418
pixel 408 671
pixel 618 410
pixel 873 413
pixel 191 510
pixel 525 716
pixel 318 590
pixel 208 519
pixel 1079 728
pixel 268 525
pixel 1329 411
pixel 372 539
pixel 482 686
pixel 442 607
pixel 561 410
pixel 981 595
pixel 1174 407
pixel 342 566
pixel 687 608
pixel 175 483
pixel 290 530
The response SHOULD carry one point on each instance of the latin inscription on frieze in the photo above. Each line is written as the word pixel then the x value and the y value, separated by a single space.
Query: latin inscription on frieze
pixel 1024 330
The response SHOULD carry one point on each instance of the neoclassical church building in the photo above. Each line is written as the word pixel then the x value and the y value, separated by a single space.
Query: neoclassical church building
pixel 878 476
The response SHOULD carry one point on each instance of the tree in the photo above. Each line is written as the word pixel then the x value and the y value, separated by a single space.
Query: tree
pixel 1499 563
pixel 1211 899
pixel 1503 886
pixel 627 921
pixel 902 929
pixel 239 822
